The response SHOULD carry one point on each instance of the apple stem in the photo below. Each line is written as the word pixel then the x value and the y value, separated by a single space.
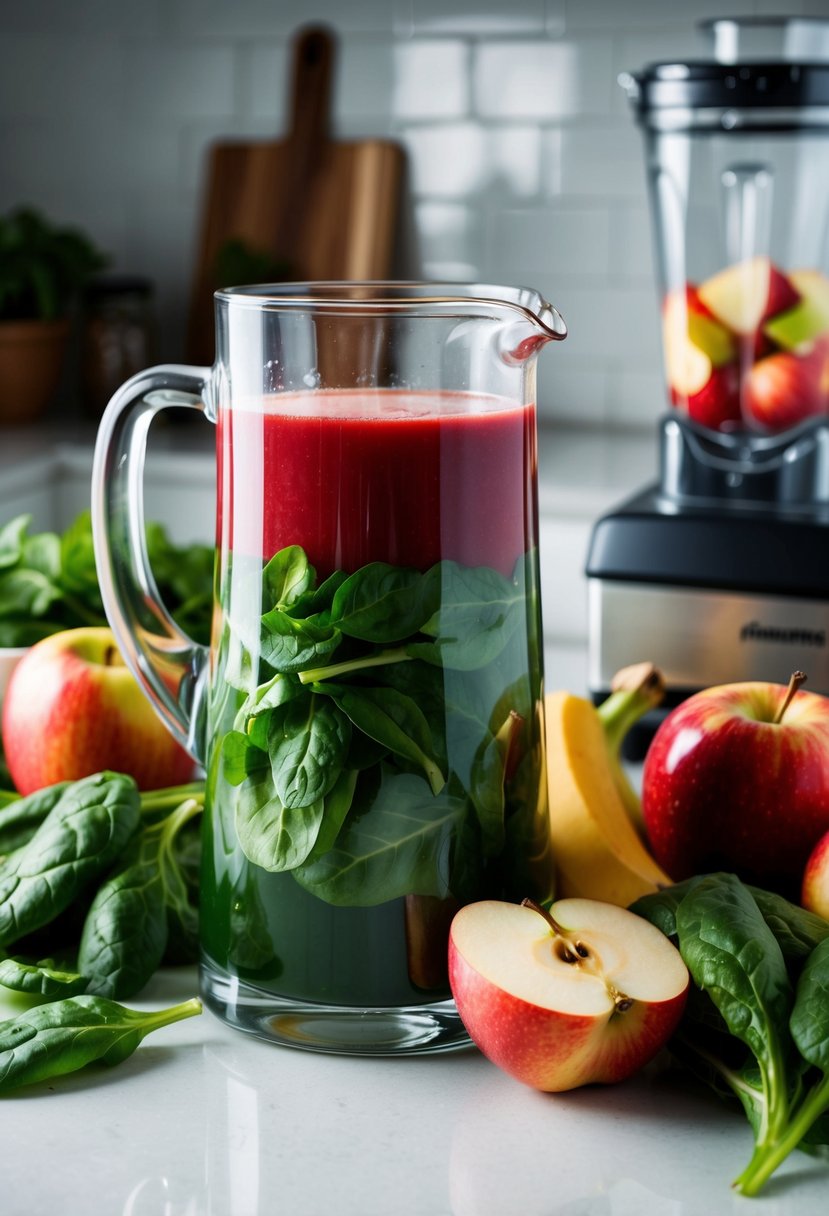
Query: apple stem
pixel 110 656
pixel 798 678
pixel 548 916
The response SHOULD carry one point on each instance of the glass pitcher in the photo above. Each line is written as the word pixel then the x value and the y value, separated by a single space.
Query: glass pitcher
pixel 369 712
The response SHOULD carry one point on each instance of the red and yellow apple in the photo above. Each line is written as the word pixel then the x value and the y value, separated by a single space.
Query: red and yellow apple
pixel 737 778
pixel 588 992
pixel 814 891
pixel 73 708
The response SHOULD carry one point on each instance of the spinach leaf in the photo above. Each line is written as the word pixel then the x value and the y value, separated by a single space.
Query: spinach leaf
pixel 43 979
pixel 381 604
pixel 732 955
pixel 270 834
pixel 338 802
pixel 126 929
pixel 11 540
pixel 64 1036
pixel 401 844
pixel 487 792
pixel 82 835
pixel 286 577
pixel 319 600
pixel 277 691
pixel 181 894
pixel 289 645
pixel 810 1016
pixel 307 745
pixel 79 573
pixel 796 930
pixel 810 1031
pixel 660 908
pixel 478 613
pixel 392 719
pixel 49 583
pixel 240 757
pixel 42 553
pixel 27 593
pixel 250 947
pixel 21 817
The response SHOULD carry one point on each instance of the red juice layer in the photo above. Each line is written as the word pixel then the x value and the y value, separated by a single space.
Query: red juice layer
pixel 380 475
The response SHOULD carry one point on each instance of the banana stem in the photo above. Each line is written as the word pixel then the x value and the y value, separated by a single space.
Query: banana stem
pixel 635 690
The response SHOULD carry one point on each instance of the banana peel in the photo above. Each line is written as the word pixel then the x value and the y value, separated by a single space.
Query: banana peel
pixel 597 850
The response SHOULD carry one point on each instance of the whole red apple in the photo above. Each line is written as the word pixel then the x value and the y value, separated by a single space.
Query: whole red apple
pixel 814 892
pixel 737 778
pixel 587 992
pixel 72 708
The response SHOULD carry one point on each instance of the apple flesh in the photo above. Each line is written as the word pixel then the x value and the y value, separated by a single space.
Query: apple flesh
pixel 588 992
pixel 73 708
pixel 737 778
pixel 814 892
pixel 744 294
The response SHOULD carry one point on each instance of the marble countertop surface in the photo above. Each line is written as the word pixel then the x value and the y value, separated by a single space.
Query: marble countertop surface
pixel 205 1121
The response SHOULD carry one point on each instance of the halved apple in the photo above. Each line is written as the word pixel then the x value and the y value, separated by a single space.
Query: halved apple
pixel 587 992
pixel 797 327
pixel 743 295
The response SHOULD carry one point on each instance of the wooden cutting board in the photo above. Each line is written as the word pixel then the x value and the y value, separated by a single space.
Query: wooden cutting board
pixel 305 206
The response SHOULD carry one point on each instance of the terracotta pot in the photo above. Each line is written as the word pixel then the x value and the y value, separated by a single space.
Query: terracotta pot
pixel 31 362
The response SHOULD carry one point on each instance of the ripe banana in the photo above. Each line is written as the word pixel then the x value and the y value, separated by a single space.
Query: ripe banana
pixel 597 852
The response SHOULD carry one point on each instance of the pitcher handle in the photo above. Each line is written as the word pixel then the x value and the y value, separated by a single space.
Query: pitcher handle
pixel 168 664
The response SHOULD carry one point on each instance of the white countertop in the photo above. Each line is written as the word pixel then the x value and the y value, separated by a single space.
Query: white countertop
pixel 206 1121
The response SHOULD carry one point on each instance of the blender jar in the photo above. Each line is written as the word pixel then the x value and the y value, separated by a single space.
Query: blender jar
pixel 738 176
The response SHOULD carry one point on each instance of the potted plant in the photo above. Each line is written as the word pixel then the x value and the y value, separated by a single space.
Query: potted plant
pixel 42 270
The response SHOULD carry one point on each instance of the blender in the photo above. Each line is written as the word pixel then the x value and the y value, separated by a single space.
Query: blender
pixel 719 571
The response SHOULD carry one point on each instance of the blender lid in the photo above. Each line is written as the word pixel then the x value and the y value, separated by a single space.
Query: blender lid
pixel 792 94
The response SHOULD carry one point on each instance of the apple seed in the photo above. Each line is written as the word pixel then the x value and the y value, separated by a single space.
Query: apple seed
pixel 578 955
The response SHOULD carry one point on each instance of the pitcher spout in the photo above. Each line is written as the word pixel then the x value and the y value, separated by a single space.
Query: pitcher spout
pixel 539 324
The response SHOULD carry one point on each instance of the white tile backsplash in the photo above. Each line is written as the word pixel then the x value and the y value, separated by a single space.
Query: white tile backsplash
pixel 480 18
pixel 542 80
pixel 525 163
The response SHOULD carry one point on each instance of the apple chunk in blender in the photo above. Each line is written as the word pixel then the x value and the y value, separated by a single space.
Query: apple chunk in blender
pixel 750 344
